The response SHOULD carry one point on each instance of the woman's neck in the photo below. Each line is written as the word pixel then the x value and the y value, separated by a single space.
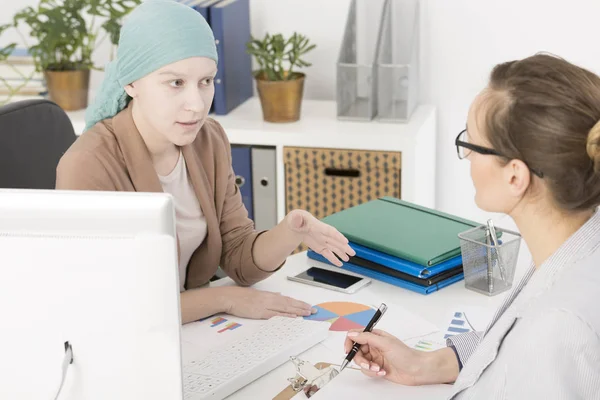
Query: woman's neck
pixel 163 153
pixel 546 228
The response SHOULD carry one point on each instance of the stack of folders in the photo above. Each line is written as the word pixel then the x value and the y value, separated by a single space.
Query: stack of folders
pixel 401 243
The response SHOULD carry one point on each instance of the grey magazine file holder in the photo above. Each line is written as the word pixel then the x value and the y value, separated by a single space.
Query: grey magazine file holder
pixel 356 87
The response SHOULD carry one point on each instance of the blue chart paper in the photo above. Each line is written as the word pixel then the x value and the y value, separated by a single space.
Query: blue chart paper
pixel 458 325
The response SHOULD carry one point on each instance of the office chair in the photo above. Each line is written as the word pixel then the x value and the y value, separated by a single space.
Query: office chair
pixel 34 134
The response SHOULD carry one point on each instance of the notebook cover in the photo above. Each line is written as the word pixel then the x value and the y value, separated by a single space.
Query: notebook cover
pixel 363 263
pixel 434 279
pixel 418 234
pixel 390 279
pixel 405 266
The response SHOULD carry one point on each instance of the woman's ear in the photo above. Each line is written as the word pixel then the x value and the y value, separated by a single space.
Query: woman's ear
pixel 518 177
pixel 130 90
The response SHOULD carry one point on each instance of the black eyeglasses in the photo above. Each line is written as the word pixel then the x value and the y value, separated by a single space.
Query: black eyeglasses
pixel 464 148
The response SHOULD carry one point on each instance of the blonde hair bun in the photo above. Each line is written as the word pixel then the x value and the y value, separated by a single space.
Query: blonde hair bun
pixel 593 146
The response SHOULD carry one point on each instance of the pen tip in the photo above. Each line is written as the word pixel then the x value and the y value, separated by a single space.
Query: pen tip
pixel 344 363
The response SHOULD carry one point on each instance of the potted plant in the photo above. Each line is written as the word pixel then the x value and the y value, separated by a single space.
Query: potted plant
pixel 67 33
pixel 280 88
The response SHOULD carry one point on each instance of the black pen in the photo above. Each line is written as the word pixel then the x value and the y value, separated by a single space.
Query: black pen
pixel 376 317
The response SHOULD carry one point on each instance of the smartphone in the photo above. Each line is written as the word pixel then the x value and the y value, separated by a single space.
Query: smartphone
pixel 345 282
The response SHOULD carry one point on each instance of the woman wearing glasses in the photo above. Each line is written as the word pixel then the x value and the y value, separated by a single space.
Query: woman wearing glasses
pixel 533 141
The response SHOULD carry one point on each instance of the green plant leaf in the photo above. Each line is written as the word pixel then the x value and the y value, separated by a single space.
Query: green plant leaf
pixel 114 30
pixel 6 51
pixel 65 30
pixel 277 55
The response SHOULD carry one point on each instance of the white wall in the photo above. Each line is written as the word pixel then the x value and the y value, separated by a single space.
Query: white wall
pixel 461 41
pixel 466 38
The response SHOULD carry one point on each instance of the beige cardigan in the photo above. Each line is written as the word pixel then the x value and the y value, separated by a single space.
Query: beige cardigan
pixel 112 156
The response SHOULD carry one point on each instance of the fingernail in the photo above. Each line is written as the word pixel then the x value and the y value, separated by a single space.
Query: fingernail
pixel 381 373
pixel 375 368
pixel 364 365
pixel 313 310
pixel 352 334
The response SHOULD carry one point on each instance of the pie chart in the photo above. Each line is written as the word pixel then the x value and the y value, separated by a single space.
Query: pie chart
pixel 343 315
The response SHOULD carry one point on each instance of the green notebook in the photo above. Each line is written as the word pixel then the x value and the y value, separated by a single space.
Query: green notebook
pixel 405 230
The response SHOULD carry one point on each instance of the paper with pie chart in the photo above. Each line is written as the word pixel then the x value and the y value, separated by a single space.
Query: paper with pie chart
pixel 343 315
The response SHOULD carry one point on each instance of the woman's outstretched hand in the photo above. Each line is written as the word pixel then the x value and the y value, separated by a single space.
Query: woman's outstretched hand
pixel 320 237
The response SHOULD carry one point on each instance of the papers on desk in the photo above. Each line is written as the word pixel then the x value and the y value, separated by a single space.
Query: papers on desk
pixel 463 319
pixel 397 321
pixel 430 342
pixel 404 324
pixel 460 319
pixel 197 338
pixel 353 384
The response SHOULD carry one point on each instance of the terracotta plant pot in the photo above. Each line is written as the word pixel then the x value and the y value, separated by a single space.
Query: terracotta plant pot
pixel 68 89
pixel 281 100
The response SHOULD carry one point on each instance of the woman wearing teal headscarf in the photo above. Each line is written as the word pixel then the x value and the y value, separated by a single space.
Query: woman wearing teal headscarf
pixel 149 131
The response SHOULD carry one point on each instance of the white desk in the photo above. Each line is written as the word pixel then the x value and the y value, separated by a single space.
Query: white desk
pixel 432 307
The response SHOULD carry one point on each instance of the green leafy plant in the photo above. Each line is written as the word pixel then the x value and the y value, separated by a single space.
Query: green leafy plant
pixel 6 51
pixel 68 31
pixel 277 56
pixel 7 88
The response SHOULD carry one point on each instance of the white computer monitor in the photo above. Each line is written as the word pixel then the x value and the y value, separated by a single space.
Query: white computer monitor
pixel 98 270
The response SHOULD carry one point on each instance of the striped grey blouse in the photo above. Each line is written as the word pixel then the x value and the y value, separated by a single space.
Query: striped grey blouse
pixel 544 341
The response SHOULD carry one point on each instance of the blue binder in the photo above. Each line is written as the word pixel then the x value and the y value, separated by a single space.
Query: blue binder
pixel 204 6
pixel 390 279
pixel 241 161
pixel 198 6
pixel 405 266
pixel 230 22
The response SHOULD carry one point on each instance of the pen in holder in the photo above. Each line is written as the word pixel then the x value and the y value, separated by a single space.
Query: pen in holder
pixel 489 258
pixel 490 262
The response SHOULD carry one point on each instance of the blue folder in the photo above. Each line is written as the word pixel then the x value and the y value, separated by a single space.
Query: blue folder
pixel 230 22
pixel 204 8
pixel 390 279
pixel 405 266
pixel 241 160
pixel 199 5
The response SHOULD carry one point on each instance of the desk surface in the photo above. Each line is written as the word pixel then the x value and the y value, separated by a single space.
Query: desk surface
pixel 433 307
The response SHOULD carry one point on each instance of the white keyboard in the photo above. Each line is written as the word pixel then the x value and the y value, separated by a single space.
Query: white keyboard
pixel 230 367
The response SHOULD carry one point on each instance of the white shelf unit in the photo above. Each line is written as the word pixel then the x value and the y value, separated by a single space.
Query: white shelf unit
pixel 319 127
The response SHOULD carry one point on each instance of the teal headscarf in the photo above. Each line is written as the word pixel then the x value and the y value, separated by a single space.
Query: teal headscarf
pixel 156 33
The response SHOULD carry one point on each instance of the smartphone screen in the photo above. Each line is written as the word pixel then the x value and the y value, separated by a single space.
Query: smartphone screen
pixel 331 278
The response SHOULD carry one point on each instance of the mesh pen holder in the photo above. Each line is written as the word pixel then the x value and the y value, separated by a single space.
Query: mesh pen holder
pixel 489 269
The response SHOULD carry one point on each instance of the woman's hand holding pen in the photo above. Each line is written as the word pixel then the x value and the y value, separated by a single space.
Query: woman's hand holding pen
pixel 383 355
